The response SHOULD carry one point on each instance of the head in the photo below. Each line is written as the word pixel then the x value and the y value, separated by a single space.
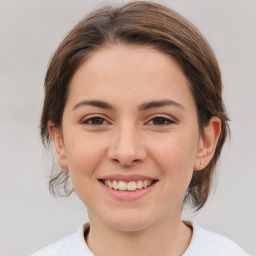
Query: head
pixel 139 25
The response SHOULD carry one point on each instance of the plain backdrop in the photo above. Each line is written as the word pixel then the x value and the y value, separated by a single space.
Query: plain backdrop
pixel 30 31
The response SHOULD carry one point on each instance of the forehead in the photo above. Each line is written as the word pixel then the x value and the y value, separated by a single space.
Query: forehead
pixel 129 74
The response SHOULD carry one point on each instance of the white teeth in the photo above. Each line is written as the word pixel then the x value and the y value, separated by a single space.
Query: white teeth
pixel 130 186
pixel 115 184
pixel 139 184
pixel 122 185
pixel 109 184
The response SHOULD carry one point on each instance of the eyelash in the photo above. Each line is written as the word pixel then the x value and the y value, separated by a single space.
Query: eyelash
pixel 162 118
pixel 89 120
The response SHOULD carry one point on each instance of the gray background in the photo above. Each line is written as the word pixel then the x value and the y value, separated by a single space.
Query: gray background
pixel 30 31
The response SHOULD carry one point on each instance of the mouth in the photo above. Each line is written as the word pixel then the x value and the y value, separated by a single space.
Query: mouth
pixel 131 186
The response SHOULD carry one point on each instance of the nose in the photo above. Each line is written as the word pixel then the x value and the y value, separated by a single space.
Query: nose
pixel 126 147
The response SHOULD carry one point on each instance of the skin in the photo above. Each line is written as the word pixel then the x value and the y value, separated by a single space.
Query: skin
pixel 160 142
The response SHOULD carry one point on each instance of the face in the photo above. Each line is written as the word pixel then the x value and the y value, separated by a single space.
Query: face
pixel 129 136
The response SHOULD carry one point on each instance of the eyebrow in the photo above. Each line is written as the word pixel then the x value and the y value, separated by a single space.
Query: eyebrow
pixel 95 103
pixel 160 103
pixel 144 106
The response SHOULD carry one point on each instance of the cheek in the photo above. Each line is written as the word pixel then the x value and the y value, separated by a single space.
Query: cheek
pixel 176 156
pixel 178 149
pixel 83 155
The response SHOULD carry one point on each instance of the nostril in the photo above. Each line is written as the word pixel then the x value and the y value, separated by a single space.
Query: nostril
pixel 129 163
pixel 126 161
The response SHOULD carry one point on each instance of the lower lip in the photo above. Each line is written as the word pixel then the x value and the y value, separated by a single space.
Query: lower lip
pixel 127 195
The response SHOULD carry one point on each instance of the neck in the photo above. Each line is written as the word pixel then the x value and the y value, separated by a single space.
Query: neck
pixel 168 237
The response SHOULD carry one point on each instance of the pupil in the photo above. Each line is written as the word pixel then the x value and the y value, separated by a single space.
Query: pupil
pixel 159 120
pixel 97 121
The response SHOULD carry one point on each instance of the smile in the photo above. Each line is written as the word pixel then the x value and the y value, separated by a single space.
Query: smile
pixel 127 186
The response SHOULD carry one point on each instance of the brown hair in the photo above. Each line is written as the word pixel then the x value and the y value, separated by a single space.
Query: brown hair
pixel 145 24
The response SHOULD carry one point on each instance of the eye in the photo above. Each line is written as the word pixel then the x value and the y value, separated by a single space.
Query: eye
pixel 94 120
pixel 160 121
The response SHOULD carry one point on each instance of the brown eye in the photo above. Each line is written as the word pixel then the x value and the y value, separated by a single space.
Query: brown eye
pixel 97 121
pixel 160 120
pixel 94 121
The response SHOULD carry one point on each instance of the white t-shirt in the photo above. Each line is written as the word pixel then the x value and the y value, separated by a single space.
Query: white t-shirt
pixel 203 243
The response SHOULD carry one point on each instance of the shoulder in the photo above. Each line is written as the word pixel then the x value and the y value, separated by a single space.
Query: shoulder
pixel 58 248
pixel 209 243
pixel 72 245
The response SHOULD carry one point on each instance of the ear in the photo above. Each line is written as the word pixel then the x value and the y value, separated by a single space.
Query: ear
pixel 207 143
pixel 57 139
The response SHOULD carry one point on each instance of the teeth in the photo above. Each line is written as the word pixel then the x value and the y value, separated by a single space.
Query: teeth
pixel 139 184
pixel 122 185
pixel 130 186
pixel 115 184
pixel 109 184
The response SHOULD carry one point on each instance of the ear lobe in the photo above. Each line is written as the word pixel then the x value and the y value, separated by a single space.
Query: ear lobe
pixel 208 143
pixel 59 146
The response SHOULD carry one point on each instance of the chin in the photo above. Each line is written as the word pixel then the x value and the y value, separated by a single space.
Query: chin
pixel 129 226
pixel 129 222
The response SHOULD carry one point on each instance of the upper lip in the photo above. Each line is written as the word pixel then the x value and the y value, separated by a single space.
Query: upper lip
pixel 127 178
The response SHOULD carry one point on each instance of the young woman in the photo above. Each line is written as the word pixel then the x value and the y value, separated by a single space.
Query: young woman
pixel 133 105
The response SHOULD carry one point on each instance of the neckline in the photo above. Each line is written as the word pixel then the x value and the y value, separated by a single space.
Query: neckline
pixel 190 224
